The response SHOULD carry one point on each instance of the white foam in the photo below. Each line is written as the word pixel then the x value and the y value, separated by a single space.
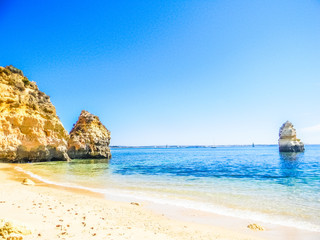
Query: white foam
pixel 127 195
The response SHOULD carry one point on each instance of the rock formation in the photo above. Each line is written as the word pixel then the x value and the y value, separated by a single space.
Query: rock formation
pixel 30 130
pixel 89 138
pixel 288 141
pixel 11 231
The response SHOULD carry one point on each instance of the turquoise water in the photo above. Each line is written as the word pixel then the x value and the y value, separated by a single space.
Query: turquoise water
pixel 257 183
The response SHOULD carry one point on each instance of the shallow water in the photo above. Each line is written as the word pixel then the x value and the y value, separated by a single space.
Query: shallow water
pixel 258 183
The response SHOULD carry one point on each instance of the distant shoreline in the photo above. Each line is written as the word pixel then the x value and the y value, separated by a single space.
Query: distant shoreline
pixel 201 146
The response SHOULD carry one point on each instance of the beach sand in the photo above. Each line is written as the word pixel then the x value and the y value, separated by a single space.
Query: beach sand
pixel 52 212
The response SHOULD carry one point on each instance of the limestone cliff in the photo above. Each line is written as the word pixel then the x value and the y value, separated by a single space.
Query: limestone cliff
pixel 30 130
pixel 89 138
pixel 288 141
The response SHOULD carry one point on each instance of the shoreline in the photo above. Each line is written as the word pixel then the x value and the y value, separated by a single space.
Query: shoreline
pixel 157 202
pixel 148 219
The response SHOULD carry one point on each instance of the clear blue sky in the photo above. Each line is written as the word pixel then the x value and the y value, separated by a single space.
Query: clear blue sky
pixel 173 72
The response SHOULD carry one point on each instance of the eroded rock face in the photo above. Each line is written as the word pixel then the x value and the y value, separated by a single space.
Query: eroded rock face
pixel 30 130
pixel 288 141
pixel 89 138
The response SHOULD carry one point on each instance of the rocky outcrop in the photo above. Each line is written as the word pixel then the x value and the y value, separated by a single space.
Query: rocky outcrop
pixel 11 231
pixel 89 138
pixel 288 141
pixel 30 130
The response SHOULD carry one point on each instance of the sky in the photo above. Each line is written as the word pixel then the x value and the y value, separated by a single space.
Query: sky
pixel 192 72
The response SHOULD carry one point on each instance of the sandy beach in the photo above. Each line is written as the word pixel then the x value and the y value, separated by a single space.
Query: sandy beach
pixel 52 212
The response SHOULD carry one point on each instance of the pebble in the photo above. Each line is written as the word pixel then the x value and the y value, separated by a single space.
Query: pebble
pixel 254 226
pixel 135 203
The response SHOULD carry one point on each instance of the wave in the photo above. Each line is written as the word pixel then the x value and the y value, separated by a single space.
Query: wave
pixel 127 195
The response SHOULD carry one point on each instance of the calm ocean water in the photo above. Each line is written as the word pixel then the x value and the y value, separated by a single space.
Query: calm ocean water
pixel 257 183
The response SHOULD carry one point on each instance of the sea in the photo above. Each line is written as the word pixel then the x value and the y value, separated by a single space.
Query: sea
pixel 247 182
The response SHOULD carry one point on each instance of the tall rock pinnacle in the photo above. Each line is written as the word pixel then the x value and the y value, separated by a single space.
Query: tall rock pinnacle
pixel 89 138
pixel 288 141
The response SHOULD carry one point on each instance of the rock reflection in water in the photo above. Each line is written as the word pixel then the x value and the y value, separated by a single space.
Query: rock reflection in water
pixel 289 167
pixel 88 167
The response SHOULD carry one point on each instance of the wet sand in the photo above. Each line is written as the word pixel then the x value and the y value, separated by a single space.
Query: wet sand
pixel 53 212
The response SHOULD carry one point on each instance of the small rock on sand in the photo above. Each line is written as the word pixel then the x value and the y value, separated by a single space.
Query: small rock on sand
pixel 27 181
pixel 254 226
pixel 135 203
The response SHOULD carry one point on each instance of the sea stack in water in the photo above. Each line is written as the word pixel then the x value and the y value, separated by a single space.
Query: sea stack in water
pixel 288 141
pixel 89 138
pixel 30 130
